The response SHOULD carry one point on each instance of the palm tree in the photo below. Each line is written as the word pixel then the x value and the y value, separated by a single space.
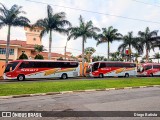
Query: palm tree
pixel 53 22
pixel 89 52
pixel 156 43
pixel 130 42
pixel 157 56
pixel 108 36
pixel 39 49
pixel 113 57
pixel 98 58
pixel 10 17
pixel 136 56
pixel 116 56
pixel 84 30
pixel 146 39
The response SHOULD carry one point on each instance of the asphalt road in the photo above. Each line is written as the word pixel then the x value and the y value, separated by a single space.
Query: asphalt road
pixel 141 99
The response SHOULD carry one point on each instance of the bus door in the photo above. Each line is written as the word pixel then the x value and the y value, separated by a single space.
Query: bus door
pixel 95 68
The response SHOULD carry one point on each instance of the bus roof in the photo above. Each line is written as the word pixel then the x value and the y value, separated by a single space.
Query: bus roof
pixel 110 62
pixel 144 64
pixel 40 61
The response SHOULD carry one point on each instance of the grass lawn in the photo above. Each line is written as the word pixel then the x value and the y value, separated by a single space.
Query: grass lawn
pixel 50 86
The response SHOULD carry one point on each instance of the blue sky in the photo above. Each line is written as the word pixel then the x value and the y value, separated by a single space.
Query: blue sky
pixel 128 8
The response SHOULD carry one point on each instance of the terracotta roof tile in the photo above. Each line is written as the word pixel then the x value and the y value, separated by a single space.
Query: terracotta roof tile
pixel 23 44
pixel 18 42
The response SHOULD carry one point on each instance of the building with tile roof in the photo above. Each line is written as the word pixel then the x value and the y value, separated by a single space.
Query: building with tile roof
pixel 19 46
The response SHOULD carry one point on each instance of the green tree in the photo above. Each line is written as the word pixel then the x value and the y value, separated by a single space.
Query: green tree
pixel 84 30
pixel 130 42
pixel 136 56
pixel 53 22
pixel 146 40
pixel 38 56
pixel 39 49
pixel 11 17
pixel 98 58
pixel 157 56
pixel 89 52
pixel 108 36
pixel 23 56
pixel 60 58
pixel 74 58
pixel 116 56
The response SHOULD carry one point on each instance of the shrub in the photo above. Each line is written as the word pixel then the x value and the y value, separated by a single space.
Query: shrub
pixel 38 56
pixel 23 56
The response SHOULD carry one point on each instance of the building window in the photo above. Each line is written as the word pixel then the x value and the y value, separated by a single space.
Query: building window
pixel 11 52
pixel 3 51
pixel 34 39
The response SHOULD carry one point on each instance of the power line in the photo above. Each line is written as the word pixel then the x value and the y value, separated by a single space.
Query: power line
pixel 106 14
pixel 146 3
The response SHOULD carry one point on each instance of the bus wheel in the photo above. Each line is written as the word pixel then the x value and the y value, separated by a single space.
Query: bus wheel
pixel 21 77
pixel 101 75
pixel 151 74
pixel 64 76
pixel 126 75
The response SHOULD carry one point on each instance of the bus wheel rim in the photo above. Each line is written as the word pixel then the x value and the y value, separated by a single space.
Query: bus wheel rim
pixel 20 77
pixel 64 76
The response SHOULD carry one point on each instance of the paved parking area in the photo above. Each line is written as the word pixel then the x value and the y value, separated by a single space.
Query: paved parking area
pixel 140 99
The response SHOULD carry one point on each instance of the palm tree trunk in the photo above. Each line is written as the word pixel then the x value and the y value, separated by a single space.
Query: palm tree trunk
pixel 50 45
pixel 129 53
pixel 89 58
pixel 146 54
pixel 8 42
pixel 83 56
pixel 108 50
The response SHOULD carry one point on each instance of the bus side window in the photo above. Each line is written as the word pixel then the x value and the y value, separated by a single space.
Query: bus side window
pixel 102 65
pixel 22 65
pixel 148 67
pixel 156 66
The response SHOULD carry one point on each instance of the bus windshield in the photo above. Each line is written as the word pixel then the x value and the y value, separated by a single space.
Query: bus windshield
pixel 11 66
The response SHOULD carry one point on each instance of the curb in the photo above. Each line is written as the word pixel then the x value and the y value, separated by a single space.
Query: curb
pixel 75 91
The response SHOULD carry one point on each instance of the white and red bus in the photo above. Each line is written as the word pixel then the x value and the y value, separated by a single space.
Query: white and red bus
pixel 148 69
pixel 111 68
pixel 21 69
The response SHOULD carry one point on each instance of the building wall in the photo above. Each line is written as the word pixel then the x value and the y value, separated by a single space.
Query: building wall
pixel 11 57
pixel 27 52
pixel 33 36
pixel 2 63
